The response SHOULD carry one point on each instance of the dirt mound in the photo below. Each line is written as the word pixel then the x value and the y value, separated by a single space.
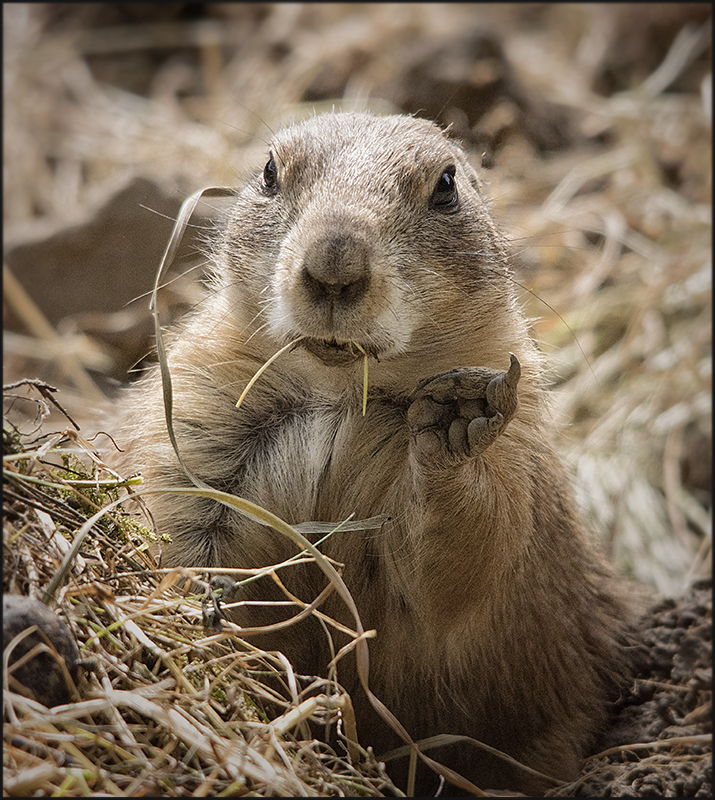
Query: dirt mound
pixel 667 711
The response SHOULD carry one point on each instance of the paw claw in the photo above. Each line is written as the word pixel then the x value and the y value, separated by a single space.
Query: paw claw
pixel 514 372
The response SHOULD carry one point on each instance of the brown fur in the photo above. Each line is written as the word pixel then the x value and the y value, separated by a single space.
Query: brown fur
pixel 494 617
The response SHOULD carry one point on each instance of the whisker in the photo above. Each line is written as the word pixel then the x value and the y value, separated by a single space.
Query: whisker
pixel 439 275
pixel 163 285
pixel 174 219
pixel 258 329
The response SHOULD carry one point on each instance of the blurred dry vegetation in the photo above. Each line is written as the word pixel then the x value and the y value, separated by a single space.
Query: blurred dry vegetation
pixel 593 126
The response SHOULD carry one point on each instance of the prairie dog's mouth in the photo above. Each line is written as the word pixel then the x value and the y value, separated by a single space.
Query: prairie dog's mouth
pixel 333 353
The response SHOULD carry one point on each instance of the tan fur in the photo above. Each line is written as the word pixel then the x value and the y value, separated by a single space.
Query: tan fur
pixel 494 617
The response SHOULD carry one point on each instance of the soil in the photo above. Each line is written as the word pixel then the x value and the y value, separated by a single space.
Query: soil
pixel 669 701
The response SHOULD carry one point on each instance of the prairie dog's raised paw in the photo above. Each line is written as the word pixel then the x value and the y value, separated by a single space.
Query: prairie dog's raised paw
pixel 458 414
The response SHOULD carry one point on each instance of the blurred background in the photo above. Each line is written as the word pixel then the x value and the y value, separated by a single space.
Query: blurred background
pixel 592 127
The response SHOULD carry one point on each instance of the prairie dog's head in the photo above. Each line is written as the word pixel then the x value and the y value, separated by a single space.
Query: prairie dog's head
pixel 362 230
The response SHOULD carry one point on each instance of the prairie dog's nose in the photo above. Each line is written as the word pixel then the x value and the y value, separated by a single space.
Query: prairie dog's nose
pixel 336 269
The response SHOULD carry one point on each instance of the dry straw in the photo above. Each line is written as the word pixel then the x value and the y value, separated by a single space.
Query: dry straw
pixel 174 708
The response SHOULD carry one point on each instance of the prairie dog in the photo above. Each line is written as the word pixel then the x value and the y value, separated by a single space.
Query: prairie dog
pixel 494 617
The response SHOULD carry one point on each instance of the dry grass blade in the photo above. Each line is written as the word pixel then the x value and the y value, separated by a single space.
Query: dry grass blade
pixel 187 209
pixel 265 366
pixel 676 741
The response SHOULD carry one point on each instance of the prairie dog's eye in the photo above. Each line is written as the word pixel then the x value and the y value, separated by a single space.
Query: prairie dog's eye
pixel 444 195
pixel 270 176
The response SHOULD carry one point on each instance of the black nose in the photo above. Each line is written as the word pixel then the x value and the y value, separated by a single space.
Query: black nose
pixel 336 269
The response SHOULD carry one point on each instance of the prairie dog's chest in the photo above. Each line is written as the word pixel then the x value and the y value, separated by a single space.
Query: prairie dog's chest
pixel 325 461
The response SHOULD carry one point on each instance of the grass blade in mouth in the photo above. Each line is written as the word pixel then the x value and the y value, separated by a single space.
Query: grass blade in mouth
pixel 283 349
pixel 265 367
pixel 364 378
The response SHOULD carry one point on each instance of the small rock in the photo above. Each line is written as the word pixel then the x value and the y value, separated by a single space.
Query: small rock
pixel 43 675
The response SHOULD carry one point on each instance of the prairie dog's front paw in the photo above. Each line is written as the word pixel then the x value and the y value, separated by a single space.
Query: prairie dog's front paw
pixel 458 414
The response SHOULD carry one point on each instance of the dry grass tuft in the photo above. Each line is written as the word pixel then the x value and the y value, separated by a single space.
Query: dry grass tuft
pixel 174 708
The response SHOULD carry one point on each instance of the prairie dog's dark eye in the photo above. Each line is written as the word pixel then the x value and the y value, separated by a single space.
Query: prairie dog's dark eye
pixel 444 195
pixel 270 176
